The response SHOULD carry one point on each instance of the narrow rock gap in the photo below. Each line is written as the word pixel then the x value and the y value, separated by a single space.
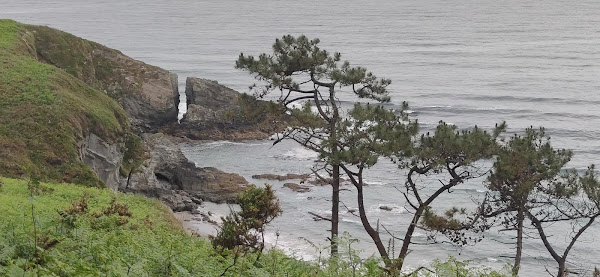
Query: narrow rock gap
pixel 182 101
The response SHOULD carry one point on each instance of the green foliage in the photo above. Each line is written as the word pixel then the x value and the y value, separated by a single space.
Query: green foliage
pixel 44 112
pixel 445 222
pixel 245 229
pixel 526 162
pixel 151 243
pixel 134 155
pixel 454 267
pixel 293 56
pixel 371 131
pixel 449 145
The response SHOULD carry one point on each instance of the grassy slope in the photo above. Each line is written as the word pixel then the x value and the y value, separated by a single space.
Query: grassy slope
pixel 151 243
pixel 44 111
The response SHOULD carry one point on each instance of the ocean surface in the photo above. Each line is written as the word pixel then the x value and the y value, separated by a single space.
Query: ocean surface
pixel 526 62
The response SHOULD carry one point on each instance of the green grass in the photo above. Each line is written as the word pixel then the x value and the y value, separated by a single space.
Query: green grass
pixel 45 111
pixel 150 242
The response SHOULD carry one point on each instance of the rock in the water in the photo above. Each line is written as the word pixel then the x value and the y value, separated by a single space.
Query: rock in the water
pixel 288 176
pixel 296 187
pixel 327 182
pixel 386 208
pixel 168 169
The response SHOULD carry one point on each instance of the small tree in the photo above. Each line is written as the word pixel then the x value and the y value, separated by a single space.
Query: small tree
pixel 364 137
pixel 528 183
pixel 245 229
pixel 521 164
pixel 448 153
pixel 451 156
pixel 302 72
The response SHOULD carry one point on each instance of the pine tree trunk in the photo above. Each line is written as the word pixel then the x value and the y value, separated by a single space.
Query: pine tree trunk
pixel 517 265
pixel 562 269
pixel 335 209
pixel 408 238
pixel 335 184
pixel 372 232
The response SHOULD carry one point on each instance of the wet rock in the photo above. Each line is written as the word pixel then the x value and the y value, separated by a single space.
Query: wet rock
pixel 296 187
pixel 386 208
pixel 167 169
pixel 289 176
pixel 197 200
pixel 327 182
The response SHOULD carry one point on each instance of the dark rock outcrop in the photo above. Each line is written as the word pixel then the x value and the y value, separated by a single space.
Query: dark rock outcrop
pixel 208 102
pixel 216 112
pixel 296 187
pixel 289 176
pixel 168 175
pixel 386 208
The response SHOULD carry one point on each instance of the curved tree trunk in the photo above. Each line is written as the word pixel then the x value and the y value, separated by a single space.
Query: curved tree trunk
pixel 372 232
pixel 407 238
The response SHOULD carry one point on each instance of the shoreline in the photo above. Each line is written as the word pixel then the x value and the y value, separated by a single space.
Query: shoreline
pixel 204 220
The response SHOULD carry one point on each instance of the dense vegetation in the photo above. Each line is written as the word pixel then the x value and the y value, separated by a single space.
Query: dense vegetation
pixel 95 232
pixel 45 111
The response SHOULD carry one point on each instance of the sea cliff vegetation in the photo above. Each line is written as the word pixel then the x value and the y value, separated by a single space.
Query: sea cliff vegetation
pixel 45 112
pixel 51 229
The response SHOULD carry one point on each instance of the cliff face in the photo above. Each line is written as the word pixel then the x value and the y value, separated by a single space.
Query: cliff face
pixel 46 115
pixel 71 110
pixel 167 174
pixel 148 94
pixel 216 112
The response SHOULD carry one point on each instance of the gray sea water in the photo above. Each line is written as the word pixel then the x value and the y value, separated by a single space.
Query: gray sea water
pixel 528 62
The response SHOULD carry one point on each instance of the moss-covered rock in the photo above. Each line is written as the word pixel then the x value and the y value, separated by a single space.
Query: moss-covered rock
pixel 148 94
pixel 45 113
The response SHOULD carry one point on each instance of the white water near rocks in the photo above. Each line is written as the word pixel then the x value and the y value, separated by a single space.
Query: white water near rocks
pixel 465 62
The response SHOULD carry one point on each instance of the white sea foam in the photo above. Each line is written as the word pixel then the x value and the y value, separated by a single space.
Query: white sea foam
pixel 355 221
pixel 396 209
pixel 298 153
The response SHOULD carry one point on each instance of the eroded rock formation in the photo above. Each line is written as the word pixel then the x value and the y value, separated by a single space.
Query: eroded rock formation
pixel 216 112
pixel 168 175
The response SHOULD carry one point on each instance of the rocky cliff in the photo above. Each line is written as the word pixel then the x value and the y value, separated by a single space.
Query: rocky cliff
pixel 72 110
pixel 53 125
pixel 148 94
pixel 167 174
pixel 216 112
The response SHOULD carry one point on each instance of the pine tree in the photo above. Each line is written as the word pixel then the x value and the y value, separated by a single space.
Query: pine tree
pixel 528 182
pixel 301 72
